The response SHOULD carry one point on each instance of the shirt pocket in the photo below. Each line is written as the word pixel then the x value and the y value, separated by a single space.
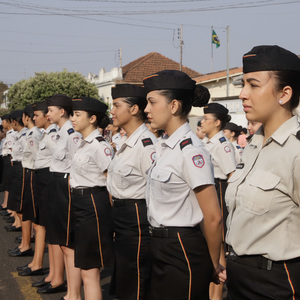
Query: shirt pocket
pixel 259 192
pixel 122 177
pixel 84 165
pixel 61 155
pixel 42 146
pixel 160 184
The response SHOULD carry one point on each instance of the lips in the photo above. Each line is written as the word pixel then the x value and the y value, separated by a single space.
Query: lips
pixel 246 108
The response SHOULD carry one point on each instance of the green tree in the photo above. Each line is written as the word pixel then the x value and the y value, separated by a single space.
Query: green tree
pixel 44 85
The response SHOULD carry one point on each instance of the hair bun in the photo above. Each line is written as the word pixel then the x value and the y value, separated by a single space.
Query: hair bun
pixel 228 118
pixel 201 95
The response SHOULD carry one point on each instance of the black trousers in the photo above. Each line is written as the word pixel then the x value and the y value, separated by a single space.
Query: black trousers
pixel 182 267
pixel 247 282
pixel 131 276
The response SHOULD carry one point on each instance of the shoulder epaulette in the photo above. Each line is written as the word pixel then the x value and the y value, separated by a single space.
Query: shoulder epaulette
pixel 30 133
pixel 23 134
pixel 52 130
pixel 185 143
pixel 222 139
pixel 100 139
pixel 298 135
pixel 71 130
pixel 238 147
pixel 147 142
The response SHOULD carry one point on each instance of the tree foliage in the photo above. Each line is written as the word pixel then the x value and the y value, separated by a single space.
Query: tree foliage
pixel 44 85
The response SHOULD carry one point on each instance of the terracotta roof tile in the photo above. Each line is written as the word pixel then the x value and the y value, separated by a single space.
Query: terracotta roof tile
pixel 137 70
pixel 219 74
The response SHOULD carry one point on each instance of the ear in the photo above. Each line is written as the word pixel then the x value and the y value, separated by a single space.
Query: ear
pixel 61 112
pixel 175 106
pixel 217 123
pixel 93 119
pixel 134 110
pixel 285 95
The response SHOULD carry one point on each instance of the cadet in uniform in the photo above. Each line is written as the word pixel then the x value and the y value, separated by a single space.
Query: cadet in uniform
pixel 232 132
pixel 263 196
pixel 126 183
pixel 42 164
pixel 91 206
pixel 181 194
pixel 60 230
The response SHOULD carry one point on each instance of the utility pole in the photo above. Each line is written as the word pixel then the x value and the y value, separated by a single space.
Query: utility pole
pixel 120 57
pixel 180 36
pixel 227 78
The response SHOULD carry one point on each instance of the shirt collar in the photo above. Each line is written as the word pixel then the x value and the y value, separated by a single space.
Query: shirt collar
pixel 177 135
pixel 63 130
pixel 216 137
pixel 24 130
pixel 131 141
pixel 92 136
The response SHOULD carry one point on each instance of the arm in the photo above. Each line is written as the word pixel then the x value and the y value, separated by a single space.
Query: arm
pixel 212 225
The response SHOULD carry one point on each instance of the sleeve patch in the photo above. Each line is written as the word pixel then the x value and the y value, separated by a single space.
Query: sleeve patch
pixel 222 139
pixel 107 152
pixel 75 139
pixel 100 139
pixel 52 130
pixel 198 161
pixel 147 142
pixel 31 143
pixel 227 149
pixel 71 130
pixel 30 133
pixel 153 156
pixel 240 166
pixel 185 143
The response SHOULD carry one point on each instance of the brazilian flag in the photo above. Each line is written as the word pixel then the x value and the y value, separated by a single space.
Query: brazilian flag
pixel 215 40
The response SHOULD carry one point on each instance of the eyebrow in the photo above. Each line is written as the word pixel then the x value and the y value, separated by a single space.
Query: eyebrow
pixel 250 79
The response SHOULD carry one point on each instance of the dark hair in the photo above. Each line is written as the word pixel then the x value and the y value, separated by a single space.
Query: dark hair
pixel 102 119
pixel 244 130
pixel 288 78
pixel 67 109
pixel 18 120
pixel 1 128
pixel 224 119
pixel 140 102
pixel 188 98
pixel 29 114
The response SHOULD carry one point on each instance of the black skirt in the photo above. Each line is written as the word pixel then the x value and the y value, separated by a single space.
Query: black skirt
pixel 6 173
pixel 93 230
pixel 16 188
pixel 59 229
pixel 29 199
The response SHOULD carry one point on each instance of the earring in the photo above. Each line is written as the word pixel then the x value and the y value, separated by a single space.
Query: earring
pixel 280 102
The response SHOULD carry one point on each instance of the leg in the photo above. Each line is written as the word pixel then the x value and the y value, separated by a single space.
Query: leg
pixel 91 281
pixel 58 259
pixel 74 277
pixel 39 248
pixel 26 235
pixel 50 276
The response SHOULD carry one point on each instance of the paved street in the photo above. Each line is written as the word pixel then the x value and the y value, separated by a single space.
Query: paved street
pixel 14 287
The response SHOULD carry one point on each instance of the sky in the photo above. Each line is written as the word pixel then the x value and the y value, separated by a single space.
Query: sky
pixel 87 35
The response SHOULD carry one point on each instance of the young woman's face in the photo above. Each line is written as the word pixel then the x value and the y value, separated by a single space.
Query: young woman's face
pixel 260 100
pixel 54 114
pixel 5 124
pixel 253 127
pixel 228 133
pixel 120 112
pixel 158 110
pixel 39 119
pixel 80 120
pixel 208 123
pixel 199 133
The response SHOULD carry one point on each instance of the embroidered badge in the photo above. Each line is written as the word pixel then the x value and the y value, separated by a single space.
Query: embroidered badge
pixel 30 133
pixel 52 130
pixel 153 156
pixel 198 161
pixel 240 166
pixel 31 143
pixel 75 139
pixel 147 142
pixel 222 139
pixel 107 152
pixel 70 131
pixel 227 149
pixel 53 137
pixel 100 139
pixel 185 143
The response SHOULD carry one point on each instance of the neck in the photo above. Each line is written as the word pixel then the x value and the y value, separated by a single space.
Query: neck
pixel 47 125
pixel 173 125
pixel 87 131
pixel 132 126
pixel 30 125
pixel 61 122
pixel 213 133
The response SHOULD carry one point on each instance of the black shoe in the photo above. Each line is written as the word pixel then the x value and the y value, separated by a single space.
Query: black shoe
pixel 29 272
pixel 13 228
pixel 22 268
pixel 48 289
pixel 41 283
pixel 2 208
pixel 19 253
pixel 13 250
pixel 5 213
pixel 10 220
pixel 7 217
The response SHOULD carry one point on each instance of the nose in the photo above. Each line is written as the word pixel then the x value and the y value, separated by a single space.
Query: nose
pixel 243 94
pixel 146 110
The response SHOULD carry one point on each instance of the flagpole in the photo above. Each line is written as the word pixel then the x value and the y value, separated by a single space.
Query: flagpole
pixel 211 48
pixel 227 79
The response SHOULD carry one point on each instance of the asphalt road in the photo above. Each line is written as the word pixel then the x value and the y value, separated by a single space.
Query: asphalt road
pixel 14 287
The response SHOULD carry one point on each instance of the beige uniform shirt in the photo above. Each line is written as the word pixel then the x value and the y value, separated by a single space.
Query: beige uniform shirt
pixel 182 164
pixel 67 142
pixel 9 141
pixel 238 151
pixel 19 145
pixel 127 171
pixel 223 155
pixel 46 147
pixel 90 161
pixel 263 196
pixel 31 146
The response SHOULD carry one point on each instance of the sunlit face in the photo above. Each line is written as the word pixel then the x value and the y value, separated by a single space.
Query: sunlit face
pixel 208 123
pixel 253 127
pixel 199 133
pixel 54 114
pixel 260 101
pixel 158 110
pixel 228 133
pixel 80 120
pixel 39 119
pixel 120 112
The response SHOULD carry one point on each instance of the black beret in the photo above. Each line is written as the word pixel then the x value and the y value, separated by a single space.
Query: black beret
pixel 89 104
pixel 16 114
pixel 270 58
pixel 169 80
pixel 59 100
pixel 233 127
pixel 28 109
pixel 127 90
pixel 6 117
pixel 42 105
pixel 215 108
